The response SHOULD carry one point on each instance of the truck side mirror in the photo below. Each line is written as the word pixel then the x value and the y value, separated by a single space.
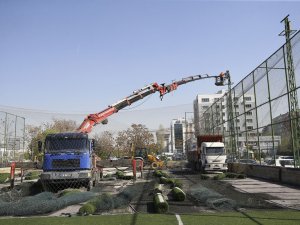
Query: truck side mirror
pixel 40 146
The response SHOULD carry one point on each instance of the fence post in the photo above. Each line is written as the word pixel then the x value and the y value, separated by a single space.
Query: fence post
pixel 12 174
pixel 134 168
pixel 141 167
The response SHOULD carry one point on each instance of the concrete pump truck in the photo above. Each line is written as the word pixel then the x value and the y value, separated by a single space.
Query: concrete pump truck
pixel 68 157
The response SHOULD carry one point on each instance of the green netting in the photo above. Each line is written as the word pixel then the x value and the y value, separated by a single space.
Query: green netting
pixel 211 198
pixel 42 203
pixel 221 203
pixel 106 202
pixel 19 191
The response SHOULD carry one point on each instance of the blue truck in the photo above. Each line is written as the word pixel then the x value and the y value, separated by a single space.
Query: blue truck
pixel 68 162
pixel 68 157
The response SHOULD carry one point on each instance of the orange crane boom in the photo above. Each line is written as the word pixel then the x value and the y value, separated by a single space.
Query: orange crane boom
pixel 101 117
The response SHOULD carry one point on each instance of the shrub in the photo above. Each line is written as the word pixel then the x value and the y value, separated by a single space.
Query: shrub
pixel 87 209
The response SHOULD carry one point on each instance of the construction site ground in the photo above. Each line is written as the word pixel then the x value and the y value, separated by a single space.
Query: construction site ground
pixel 249 193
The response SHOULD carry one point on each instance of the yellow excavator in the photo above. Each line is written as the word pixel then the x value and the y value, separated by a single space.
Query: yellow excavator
pixel 148 158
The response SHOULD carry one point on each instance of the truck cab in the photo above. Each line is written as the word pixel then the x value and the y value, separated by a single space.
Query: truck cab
pixel 67 161
pixel 213 156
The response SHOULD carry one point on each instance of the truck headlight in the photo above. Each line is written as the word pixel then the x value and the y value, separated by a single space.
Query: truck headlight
pixel 84 175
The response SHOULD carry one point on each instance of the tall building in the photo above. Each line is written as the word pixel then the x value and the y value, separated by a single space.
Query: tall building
pixel 201 106
pixel 181 130
pixel 212 118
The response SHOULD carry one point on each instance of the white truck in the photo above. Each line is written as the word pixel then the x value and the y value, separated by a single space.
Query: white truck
pixel 207 153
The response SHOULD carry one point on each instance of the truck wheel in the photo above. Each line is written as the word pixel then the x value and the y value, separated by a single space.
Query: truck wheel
pixel 89 185
pixel 154 165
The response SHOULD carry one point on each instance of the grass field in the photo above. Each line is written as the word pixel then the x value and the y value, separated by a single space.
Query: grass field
pixel 274 217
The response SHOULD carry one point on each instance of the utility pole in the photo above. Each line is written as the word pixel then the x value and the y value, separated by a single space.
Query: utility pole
pixel 292 91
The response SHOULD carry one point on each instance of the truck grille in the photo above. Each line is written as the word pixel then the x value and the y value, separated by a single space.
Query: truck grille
pixel 66 164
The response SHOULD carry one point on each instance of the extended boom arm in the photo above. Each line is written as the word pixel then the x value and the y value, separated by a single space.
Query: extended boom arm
pixel 101 117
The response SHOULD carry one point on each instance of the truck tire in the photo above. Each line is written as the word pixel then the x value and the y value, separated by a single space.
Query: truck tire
pixel 154 165
pixel 89 185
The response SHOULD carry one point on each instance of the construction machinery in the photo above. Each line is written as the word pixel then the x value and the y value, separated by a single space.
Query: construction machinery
pixel 148 158
pixel 68 157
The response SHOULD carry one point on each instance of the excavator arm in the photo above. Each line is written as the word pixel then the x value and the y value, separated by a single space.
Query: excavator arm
pixel 101 117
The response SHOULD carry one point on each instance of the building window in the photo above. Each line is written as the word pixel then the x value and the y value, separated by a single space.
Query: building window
pixel 205 99
pixel 249 120
pixel 248 105
pixel 249 127
pixel 236 106
pixel 237 114
pixel 247 98
pixel 249 113
pixel 205 107
pixel 235 99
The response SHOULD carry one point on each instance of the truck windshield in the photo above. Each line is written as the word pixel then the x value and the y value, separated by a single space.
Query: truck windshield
pixel 214 150
pixel 66 144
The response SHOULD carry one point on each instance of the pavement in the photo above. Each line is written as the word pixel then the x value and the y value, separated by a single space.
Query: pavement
pixel 279 194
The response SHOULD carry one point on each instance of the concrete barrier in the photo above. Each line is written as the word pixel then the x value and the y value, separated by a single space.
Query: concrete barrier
pixel 272 173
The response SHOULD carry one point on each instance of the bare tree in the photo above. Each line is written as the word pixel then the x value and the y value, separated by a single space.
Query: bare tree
pixel 138 135
pixel 105 145
pixel 38 133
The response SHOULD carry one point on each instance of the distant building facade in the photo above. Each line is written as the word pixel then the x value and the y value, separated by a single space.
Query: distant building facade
pixel 181 130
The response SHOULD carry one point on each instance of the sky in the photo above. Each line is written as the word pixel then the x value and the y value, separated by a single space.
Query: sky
pixel 78 56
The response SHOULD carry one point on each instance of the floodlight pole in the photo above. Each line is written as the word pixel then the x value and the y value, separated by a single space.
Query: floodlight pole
pixel 292 92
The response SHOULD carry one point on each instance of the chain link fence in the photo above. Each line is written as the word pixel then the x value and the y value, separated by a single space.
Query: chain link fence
pixel 12 137
pixel 264 120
